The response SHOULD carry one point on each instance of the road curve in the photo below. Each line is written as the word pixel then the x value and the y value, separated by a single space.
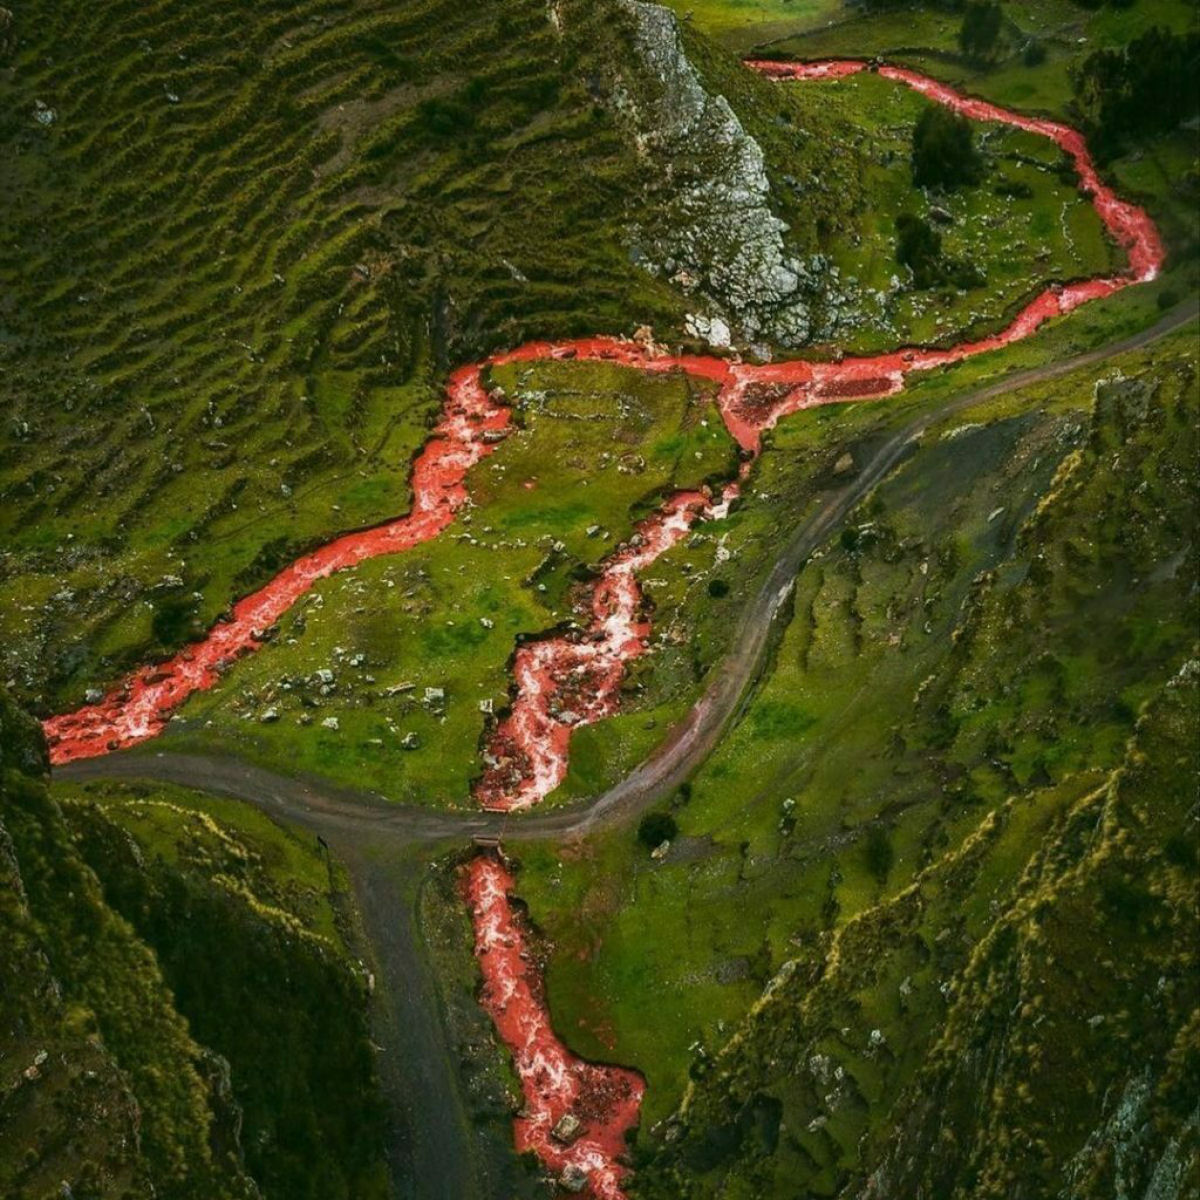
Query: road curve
pixel 366 818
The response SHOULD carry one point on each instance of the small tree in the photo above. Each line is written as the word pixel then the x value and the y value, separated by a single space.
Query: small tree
pixel 979 34
pixel 879 852
pixel 920 249
pixel 656 828
pixel 944 153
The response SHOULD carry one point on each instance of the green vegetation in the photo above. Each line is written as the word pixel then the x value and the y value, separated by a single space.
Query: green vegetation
pixel 1144 88
pixel 1020 1019
pixel 179 1014
pixel 919 247
pixel 923 922
pixel 238 259
pixel 944 154
pixel 926 37
pixel 417 648
pixel 283 229
pixel 655 828
pixel 871 753
pixel 101 1085
pixel 243 921
pixel 980 30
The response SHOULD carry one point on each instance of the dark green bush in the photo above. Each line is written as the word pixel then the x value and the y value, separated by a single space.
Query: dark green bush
pixel 655 828
pixel 943 150
pixel 879 852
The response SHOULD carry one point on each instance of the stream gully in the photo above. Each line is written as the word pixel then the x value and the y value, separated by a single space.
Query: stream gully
pixel 574 678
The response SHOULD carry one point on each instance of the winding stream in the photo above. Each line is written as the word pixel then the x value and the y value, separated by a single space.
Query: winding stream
pixel 574 679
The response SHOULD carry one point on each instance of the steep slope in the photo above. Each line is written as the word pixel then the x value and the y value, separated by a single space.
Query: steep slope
pixel 1069 1061
pixel 103 1091
pixel 1017 1021
pixel 178 1012
pixel 1066 1059
pixel 248 924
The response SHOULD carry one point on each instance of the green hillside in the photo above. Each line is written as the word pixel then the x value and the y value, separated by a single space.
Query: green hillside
pixel 179 1014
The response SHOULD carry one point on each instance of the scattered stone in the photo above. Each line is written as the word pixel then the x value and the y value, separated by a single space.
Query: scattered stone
pixel 43 114
pixel 661 850
pixel 268 715
pixel 331 723
pixel 323 675
pixel 93 696
pixel 410 741
pixel 568 1128
pixel 844 465
pixel 573 1179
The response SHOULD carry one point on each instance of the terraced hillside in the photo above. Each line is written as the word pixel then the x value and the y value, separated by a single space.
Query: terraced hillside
pixel 243 246
pixel 236 260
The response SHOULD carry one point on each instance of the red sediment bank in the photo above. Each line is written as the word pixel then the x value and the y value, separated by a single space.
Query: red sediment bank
pixel 554 1082
pixel 575 678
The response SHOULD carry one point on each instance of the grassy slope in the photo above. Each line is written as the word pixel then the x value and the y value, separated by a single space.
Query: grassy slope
pixel 595 448
pixel 652 958
pixel 101 1085
pixel 238 263
pixel 1028 1004
pixel 250 938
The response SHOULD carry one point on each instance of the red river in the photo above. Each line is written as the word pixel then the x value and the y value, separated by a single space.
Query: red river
pixel 574 679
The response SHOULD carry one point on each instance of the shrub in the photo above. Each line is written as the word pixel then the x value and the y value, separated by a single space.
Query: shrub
pixel 879 852
pixel 655 828
pixel 920 249
pixel 174 621
pixel 943 150
pixel 980 31
pixel 718 588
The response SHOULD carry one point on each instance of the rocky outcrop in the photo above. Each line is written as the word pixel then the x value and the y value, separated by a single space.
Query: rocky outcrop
pixel 715 233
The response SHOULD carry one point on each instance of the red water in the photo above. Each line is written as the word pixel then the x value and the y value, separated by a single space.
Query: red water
pixel 575 678
pixel 606 1100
